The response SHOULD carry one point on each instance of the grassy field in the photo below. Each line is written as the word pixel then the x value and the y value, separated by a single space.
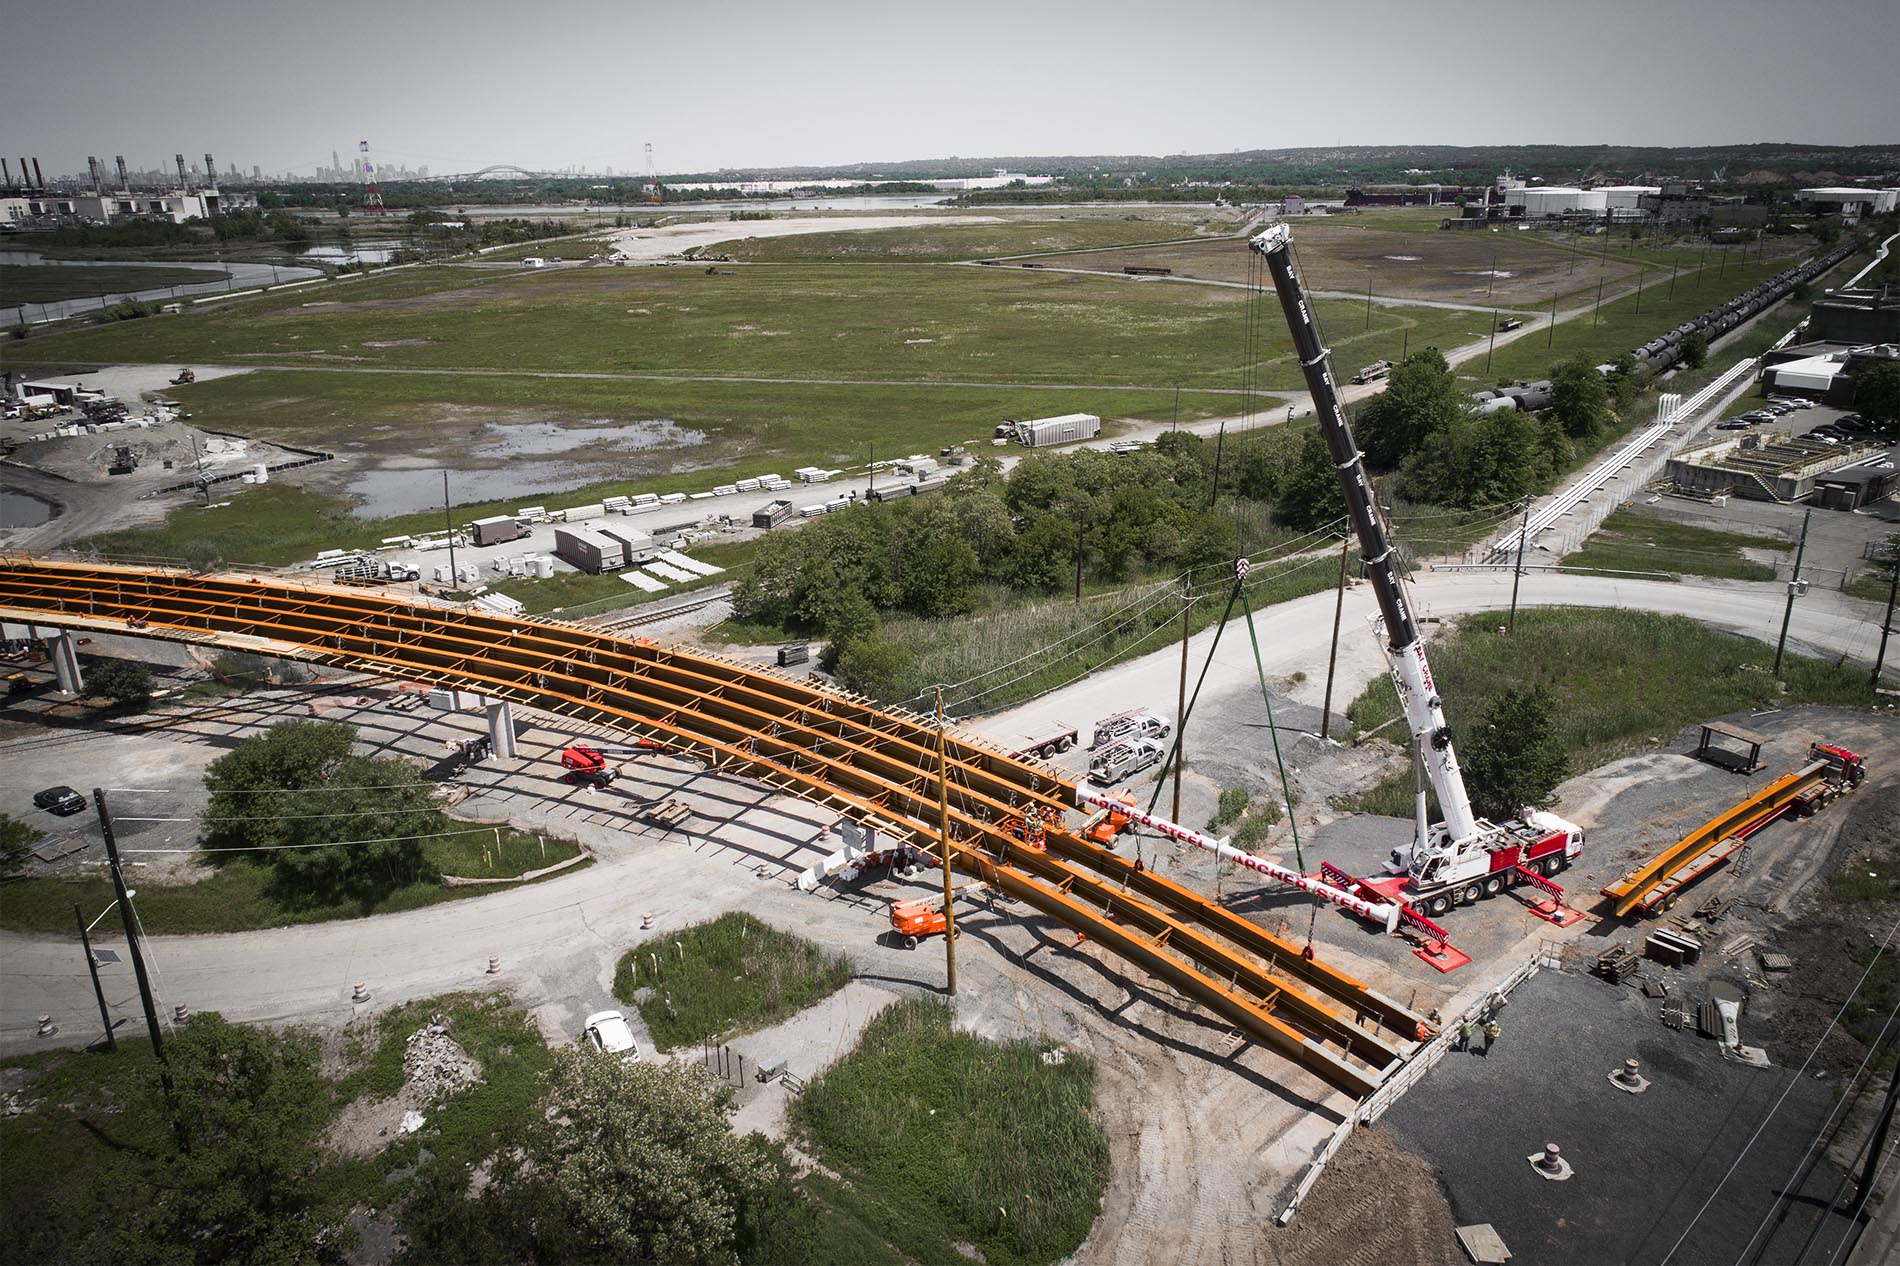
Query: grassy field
pixel 239 896
pixel 786 322
pixel 1621 326
pixel 1623 681
pixel 1630 540
pixel 946 1140
pixel 720 979
pixel 560 248
pixel 938 243
pixel 44 283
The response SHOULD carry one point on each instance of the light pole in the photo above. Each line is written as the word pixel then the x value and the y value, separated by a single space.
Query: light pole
pixel 92 963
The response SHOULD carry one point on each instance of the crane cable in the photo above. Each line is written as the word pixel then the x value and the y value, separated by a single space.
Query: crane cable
pixel 1286 787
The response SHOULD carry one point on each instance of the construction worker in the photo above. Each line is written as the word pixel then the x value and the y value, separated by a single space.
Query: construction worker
pixel 1464 1035
pixel 1491 1030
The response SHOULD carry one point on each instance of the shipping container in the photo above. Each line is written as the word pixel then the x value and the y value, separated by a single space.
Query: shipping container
pixel 770 516
pixel 639 545
pixel 1064 429
pixel 589 550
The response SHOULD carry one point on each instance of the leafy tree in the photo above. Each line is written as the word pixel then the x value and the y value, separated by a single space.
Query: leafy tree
pixel 1421 399
pixel 1309 490
pixel 334 824
pixel 875 666
pixel 1695 349
pixel 1625 380
pixel 1579 398
pixel 17 839
pixel 624 1163
pixel 122 682
pixel 1877 396
pixel 1514 756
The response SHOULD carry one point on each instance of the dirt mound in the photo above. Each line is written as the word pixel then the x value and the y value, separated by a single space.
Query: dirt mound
pixel 434 1066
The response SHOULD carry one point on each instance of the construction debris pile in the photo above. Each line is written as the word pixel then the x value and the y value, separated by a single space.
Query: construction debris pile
pixel 436 1066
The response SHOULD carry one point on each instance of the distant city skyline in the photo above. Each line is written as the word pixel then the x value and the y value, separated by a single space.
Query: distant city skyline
pixel 744 84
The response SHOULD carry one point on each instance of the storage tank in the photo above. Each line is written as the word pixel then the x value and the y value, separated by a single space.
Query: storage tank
pixel 260 473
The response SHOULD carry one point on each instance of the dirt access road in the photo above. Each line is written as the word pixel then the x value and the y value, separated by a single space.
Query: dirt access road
pixel 674 239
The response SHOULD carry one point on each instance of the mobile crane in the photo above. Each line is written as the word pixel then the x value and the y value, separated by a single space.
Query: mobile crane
pixel 1464 857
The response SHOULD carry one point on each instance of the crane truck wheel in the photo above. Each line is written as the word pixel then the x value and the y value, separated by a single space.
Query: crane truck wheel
pixel 1469 894
pixel 1439 905
pixel 1493 885
pixel 1552 865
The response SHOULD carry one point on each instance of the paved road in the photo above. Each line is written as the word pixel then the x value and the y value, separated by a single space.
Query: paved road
pixel 1294 637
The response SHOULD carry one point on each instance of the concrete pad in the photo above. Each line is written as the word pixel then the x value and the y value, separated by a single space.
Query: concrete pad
pixel 1484 1244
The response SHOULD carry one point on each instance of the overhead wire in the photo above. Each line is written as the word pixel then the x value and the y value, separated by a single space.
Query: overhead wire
pixel 1782 1098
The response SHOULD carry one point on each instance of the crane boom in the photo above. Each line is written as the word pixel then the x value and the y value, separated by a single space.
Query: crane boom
pixel 1404 647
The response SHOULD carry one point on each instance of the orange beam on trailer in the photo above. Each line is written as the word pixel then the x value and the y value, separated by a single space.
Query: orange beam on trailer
pixel 1634 889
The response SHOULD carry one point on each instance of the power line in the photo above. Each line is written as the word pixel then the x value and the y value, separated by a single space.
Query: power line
pixel 1785 1091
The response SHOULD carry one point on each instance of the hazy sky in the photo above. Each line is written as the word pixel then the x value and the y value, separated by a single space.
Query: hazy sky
pixel 461 84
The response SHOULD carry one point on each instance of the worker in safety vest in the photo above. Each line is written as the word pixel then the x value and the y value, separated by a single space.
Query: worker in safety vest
pixel 1464 1035
pixel 1491 1030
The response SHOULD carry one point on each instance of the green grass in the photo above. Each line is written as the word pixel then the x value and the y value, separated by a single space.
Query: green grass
pixel 239 896
pixel 1621 326
pixel 803 322
pixel 720 979
pixel 945 1137
pixel 44 283
pixel 1623 681
pixel 1868 584
pixel 936 243
pixel 561 248
pixel 1630 540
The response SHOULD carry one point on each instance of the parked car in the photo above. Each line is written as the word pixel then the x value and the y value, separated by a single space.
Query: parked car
pixel 1737 425
pixel 61 800
pixel 609 1033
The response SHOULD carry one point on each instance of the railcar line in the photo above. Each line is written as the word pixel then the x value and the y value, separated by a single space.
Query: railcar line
pixel 877 765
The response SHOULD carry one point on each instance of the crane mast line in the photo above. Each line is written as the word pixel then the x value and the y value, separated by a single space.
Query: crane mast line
pixel 1404 646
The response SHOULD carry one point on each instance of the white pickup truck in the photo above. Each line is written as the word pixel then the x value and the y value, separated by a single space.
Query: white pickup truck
pixel 1124 760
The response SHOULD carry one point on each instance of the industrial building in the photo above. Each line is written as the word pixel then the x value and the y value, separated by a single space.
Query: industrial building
pixel 1823 371
pixel 1763 466
pixel 1856 316
pixel 1848 202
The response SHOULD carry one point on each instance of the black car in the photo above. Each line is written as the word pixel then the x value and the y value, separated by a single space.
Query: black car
pixel 61 800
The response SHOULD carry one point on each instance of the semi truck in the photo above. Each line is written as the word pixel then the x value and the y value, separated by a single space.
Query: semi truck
pixel 1372 373
pixel 1464 857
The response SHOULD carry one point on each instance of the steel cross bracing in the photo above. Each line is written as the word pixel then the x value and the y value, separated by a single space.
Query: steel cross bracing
pixel 822 745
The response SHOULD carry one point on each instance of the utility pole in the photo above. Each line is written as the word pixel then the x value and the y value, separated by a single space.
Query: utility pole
pixel 1080 525
pixel 943 830
pixel 448 521
pixel 1517 569
pixel 1639 295
pixel 1598 310
pixel 1550 340
pixel 1180 708
pixel 98 991
pixel 1870 1169
pixel 1794 587
pixel 1368 302
pixel 1886 624
pixel 1674 264
pixel 1220 445
pixel 1332 656
pixel 132 938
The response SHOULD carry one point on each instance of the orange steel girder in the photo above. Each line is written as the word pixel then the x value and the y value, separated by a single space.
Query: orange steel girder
pixel 871 761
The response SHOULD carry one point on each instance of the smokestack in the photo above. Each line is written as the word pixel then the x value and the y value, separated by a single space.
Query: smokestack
pixel 211 173
pixel 98 181
pixel 6 173
pixel 124 183
pixel 184 180
pixel 39 181
pixel 26 177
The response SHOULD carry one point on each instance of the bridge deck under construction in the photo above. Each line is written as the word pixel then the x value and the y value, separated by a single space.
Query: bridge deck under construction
pixel 819 744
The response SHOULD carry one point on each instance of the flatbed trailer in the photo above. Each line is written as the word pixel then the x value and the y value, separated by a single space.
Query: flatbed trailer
pixel 1656 884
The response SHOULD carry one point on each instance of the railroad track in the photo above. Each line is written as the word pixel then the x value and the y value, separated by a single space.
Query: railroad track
pixel 646 614
pixel 830 747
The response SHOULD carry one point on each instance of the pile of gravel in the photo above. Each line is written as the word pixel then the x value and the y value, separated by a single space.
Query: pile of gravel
pixel 436 1066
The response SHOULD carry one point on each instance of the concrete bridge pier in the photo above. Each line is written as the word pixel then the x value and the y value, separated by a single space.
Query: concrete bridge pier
pixel 65 656
pixel 501 728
